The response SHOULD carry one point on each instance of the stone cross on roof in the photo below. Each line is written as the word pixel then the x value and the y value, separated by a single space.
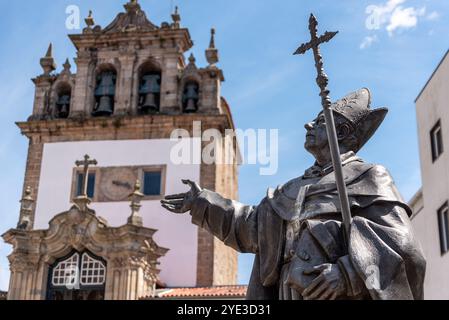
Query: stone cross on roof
pixel 85 164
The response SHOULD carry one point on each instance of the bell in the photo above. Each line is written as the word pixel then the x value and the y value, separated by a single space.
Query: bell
pixel 63 106
pixel 191 106
pixel 149 104
pixel 64 112
pixel 104 107
pixel 190 98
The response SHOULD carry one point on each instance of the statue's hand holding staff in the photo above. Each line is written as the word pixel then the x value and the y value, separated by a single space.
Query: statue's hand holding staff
pixel 182 202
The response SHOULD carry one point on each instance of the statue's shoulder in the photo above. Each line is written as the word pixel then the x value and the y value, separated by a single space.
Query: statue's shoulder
pixel 374 171
pixel 282 199
pixel 376 182
pixel 293 185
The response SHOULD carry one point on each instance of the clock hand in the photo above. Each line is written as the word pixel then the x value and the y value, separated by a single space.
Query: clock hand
pixel 122 184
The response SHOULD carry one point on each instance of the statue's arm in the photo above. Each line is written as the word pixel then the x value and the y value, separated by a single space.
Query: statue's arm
pixel 235 224
pixel 232 222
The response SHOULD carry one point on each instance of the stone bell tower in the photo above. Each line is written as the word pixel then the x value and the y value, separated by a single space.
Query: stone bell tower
pixel 132 88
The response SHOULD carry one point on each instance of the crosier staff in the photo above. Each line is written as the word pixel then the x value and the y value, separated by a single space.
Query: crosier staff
pixel 322 81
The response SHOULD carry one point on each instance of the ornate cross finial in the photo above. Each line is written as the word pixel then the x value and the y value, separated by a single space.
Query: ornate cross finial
pixel 83 200
pixel 85 164
pixel 176 18
pixel 212 53
pixel 314 44
pixel 48 62
pixel 136 197
pixel 90 22
pixel 132 6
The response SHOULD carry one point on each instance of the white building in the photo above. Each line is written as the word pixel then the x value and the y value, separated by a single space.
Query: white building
pixel 430 204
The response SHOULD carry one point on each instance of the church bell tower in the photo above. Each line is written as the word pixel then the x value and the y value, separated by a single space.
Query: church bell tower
pixel 133 87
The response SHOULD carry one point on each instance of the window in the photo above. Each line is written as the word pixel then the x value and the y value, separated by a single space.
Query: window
pixel 152 183
pixel 90 185
pixel 78 276
pixel 443 222
pixel 65 272
pixel 93 272
pixel 436 141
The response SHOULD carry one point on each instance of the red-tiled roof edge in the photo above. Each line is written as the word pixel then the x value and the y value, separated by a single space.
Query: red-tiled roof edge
pixel 203 292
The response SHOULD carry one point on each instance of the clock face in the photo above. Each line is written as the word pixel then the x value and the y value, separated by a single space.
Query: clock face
pixel 117 183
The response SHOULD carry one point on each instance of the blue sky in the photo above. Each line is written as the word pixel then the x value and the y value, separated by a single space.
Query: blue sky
pixel 266 86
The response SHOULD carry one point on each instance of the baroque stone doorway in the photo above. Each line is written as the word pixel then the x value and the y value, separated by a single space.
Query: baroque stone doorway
pixel 77 276
pixel 80 257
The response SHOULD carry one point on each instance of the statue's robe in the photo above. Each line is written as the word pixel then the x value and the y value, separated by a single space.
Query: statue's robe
pixel 381 261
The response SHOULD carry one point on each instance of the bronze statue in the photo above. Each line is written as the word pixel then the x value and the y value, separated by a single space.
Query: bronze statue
pixel 340 231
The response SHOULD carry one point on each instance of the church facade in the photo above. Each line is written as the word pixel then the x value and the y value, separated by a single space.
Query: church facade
pixel 77 237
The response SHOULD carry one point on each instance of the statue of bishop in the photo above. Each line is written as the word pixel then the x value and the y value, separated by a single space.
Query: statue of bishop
pixel 296 230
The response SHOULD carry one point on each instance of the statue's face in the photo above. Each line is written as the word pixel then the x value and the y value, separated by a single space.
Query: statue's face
pixel 316 136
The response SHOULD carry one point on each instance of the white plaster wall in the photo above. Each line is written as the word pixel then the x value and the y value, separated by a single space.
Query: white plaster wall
pixel 432 106
pixel 176 232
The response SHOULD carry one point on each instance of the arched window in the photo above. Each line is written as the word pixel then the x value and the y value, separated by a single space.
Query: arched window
pixel 93 272
pixel 150 79
pixel 65 272
pixel 105 92
pixel 190 97
pixel 77 276
pixel 63 99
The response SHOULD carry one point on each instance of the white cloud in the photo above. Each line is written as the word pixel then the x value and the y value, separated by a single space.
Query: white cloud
pixel 404 18
pixel 368 41
pixel 379 15
pixel 393 16
pixel 434 15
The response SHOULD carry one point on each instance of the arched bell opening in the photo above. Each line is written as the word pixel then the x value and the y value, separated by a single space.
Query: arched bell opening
pixel 191 97
pixel 105 88
pixel 150 79
pixel 63 101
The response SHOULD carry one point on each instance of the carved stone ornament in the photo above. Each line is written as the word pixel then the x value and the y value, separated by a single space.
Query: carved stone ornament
pixel 126 248
pixel 134 19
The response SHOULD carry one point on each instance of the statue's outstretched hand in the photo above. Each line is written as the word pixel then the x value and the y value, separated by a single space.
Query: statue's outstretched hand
pixel 182 203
